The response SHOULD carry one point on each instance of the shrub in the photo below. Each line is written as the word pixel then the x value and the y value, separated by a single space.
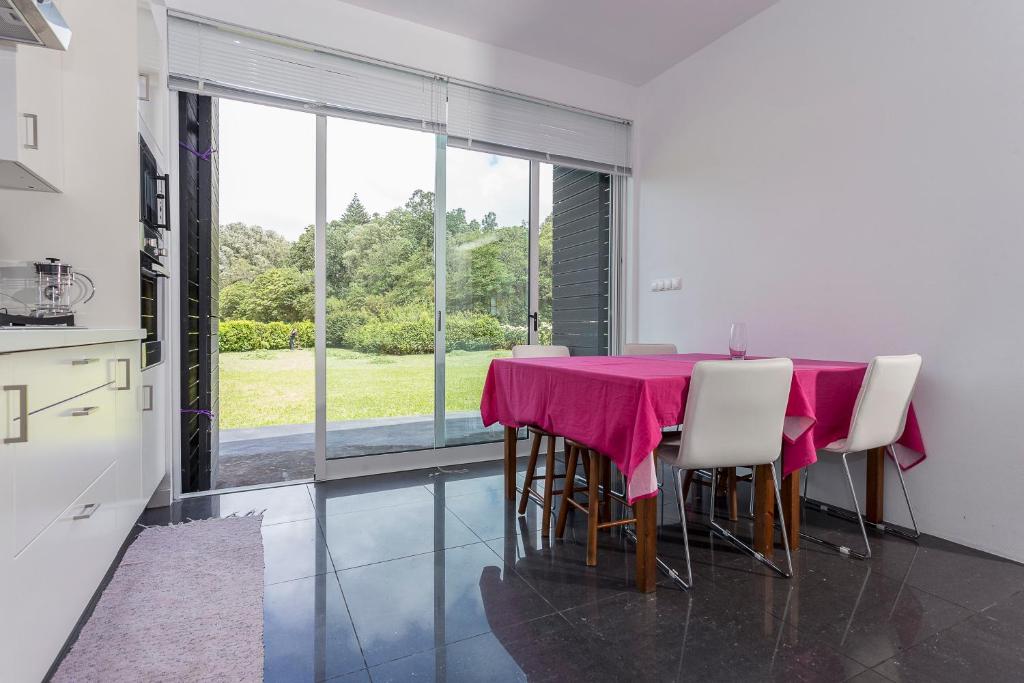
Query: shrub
pixel 249 335
pixel 513 335
pixel 307 334
pixel 275 294
pixel 344 323
pixel 473 332
pixel 399 337
pixel 544 333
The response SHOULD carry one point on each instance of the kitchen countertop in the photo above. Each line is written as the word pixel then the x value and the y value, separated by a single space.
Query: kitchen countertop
pixel 14 339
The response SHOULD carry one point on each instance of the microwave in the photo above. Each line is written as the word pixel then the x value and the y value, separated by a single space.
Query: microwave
pixel 152 191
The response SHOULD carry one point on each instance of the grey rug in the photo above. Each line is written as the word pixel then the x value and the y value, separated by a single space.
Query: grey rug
pixel 185 604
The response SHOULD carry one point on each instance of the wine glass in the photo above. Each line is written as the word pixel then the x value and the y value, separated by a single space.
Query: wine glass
pixel 738 341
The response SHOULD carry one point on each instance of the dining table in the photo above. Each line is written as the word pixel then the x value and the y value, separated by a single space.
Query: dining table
pixel 620 405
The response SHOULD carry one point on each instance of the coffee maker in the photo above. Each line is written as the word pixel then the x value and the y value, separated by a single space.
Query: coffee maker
pixel 42 293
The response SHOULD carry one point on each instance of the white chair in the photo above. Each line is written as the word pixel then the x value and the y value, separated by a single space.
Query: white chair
pixel 648 349
pixel 879 417
pixel 734 416
pixel 540 351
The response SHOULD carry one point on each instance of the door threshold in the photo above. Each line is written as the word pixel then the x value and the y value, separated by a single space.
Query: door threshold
pixel 242 489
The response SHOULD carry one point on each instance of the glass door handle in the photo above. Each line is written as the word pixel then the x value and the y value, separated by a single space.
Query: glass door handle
pixel 533 317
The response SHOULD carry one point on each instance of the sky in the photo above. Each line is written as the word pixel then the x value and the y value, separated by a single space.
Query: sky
pixel 268 170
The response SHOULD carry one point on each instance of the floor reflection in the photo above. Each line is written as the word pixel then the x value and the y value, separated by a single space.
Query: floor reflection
pixel 432 575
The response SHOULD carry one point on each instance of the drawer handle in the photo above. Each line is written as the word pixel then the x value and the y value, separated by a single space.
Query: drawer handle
pixel 88 510
pixel 22 418
pixel 127 374
pixel 84 361
pixel 31 131
pixel 148 395
pixel 82 412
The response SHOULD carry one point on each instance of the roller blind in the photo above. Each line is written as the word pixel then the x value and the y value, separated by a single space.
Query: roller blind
pixel 228 61
pixel 505 123
pixel 216 59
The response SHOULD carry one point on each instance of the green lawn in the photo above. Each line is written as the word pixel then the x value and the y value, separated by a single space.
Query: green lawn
pixel 259 388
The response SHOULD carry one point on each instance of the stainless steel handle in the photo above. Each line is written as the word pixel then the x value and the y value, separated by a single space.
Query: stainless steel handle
pixel 127 374
pixel 82 412
pixel 84 361
pixel 88 510
pixel 147 404
pixel 22 390
pixel 31 131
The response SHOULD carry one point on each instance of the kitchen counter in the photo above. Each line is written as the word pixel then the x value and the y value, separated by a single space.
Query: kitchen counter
pixel 14 339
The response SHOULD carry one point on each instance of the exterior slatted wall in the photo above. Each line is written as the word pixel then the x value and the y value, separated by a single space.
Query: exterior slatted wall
pixel 580 260
pixel 195 202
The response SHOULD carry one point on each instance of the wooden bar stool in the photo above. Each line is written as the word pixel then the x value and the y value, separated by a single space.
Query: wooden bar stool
pixel 599 495
pixel 545 500
pixel 540 351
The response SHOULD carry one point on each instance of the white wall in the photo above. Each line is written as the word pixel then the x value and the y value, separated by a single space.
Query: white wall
pixel 360 31
pixel 847 178
pixel 93 224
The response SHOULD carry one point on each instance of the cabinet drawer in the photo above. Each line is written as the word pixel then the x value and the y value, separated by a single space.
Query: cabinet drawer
pixel 56 575
pixel 55 375
pixel 69 446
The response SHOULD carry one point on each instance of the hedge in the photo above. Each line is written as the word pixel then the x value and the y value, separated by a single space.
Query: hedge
pixel 408 333
pixel 343 324
pixel 248 335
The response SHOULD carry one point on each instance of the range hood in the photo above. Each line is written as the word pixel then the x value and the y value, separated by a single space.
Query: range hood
pixel 33 22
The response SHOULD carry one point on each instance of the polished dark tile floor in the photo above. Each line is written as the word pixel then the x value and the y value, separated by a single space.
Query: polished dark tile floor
pixel 429 575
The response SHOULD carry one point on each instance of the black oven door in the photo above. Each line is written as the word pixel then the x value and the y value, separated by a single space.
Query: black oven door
pixel 152 343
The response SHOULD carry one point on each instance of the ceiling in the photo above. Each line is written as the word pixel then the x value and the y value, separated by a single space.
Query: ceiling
pixel 627 40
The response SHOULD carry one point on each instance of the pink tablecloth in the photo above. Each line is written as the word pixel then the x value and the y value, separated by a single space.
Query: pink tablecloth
pixel 619 404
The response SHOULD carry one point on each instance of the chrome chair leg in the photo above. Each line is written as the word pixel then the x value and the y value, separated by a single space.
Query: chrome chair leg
pixel 729 536
pixel 682 522
pixel 782 520
pixel 906 496
pixel 843 549
pixel 860 518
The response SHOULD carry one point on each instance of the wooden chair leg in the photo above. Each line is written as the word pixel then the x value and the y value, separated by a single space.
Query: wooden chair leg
pixel 734 502
pixel 549 486
pixel 592 507
pixel 531 470
pixel 606 484
pixel 569 486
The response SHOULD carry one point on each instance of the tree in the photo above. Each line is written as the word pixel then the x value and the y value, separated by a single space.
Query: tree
pixel 278 294
pixel 247 250
pixel 356 213
pixel 490 221
pixel 301 255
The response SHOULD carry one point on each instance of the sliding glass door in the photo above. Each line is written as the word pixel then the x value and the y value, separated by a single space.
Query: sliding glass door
pixel 379 289
pixel 436 260
pixel 487 273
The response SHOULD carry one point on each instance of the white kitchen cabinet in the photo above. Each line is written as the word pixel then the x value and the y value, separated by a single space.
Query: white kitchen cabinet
pixel 31 118
pixel 71 488
pixel 154 411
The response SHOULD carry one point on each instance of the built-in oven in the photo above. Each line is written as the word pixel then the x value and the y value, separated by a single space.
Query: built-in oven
pixel 154 221
pixel 151 289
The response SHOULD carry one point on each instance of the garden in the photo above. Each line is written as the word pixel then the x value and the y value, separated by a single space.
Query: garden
pixel 380 313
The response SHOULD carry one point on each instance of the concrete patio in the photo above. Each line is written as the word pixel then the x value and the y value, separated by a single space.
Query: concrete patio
pixel 279 453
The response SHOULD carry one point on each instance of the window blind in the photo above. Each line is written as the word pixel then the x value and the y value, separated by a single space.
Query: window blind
pixel 228 61
pixel 509 124
pixel 215 59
